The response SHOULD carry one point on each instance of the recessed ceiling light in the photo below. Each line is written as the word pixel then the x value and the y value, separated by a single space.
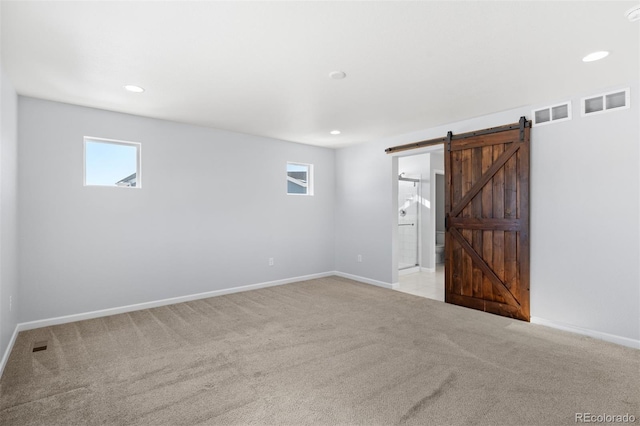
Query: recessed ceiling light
pixel 132 88
pixel 633 14
pixel 595 56
pixel 337 75
pixel 335 132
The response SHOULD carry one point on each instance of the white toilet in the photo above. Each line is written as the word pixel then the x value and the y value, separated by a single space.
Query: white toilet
pixel 439 246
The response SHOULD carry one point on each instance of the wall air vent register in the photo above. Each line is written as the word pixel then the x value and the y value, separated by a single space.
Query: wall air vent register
pixel 552 114
pixel 605 102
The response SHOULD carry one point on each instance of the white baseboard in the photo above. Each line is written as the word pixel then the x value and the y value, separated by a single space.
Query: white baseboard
pixel 154 304
pixel 7 352
pixel 30 325
pixel 427 269
pixel 146 305
pixel 367 280
pixel 624 341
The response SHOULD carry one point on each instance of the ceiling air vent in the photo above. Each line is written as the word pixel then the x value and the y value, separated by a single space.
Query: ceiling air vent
pixel 552 114
pixel 606 102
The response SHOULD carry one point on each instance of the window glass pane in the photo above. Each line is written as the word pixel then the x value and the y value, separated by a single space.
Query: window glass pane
pixel 111 164
pixel 298 179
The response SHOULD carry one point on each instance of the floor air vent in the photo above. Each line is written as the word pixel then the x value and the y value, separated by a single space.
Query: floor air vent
pixel 552 114
pixel 605 102
pixel 40 346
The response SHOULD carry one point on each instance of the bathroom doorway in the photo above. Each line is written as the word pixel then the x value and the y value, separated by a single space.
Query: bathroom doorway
pixel 419 245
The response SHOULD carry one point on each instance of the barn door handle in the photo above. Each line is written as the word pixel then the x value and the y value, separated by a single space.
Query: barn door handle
pixel 446 222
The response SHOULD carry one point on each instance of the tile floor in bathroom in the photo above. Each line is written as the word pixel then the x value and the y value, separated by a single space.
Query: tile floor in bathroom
pixel 424 284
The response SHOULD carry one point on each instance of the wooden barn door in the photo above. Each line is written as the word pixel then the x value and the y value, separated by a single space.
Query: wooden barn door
pixel 487 220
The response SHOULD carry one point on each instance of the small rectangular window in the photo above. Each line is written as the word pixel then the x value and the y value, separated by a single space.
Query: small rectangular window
pixel 299 179
pixel 111 163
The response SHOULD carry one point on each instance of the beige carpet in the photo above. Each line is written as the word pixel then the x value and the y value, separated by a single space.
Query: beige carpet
pixel 327 351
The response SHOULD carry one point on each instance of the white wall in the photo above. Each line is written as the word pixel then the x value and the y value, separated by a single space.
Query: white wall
pixel 8 213
pixel 366 215
pixel 585 221
pixel 436 164
pixel 584 214
pixel 213 208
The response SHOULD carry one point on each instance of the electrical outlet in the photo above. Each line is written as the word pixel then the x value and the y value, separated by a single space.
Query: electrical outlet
pixel 271 261
pixel 359 258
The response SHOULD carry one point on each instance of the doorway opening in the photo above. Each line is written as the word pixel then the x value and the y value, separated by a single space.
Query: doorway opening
pixel 420 248
pixel 487 217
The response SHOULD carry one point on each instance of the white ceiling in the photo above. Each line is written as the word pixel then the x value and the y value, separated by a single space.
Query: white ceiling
pixel 262 67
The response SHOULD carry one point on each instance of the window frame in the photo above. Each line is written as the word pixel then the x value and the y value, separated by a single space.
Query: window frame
pixel 310 178
pixel 138 147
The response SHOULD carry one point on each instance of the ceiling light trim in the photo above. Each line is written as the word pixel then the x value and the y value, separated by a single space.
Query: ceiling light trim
pixel 595 56
pixel 633 14
pixel 133 88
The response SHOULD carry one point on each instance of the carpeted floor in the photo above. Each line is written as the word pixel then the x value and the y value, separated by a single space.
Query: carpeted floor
pixel 327 351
